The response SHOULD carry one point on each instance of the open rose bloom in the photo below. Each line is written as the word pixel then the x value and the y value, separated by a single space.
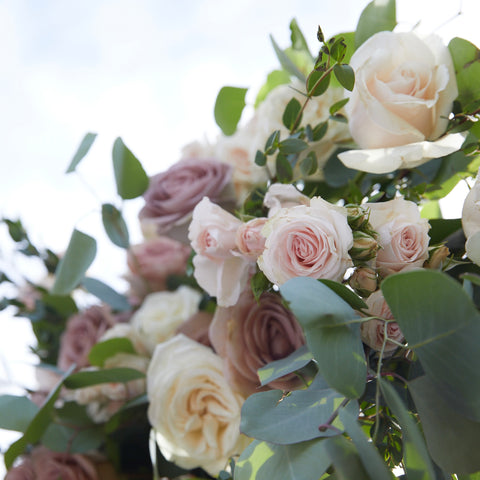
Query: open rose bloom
pixel 398 110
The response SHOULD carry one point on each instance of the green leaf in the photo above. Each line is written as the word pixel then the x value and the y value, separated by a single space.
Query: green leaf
pixel 331 336
pixel 338 106
pixel 283 169
pixel 301 461
pixel 345 293
pixel 106 349
pixel 378 16
pixel 271 144
pixel 16 412
pixel 452 439
pixel 319 131
pixel 441 228
pixel 292 145
pixel 297 38
pixel 369 456
pixel 285 61
pixel 59 438
pixel 260 159
pixel 345 75
pixel 115 225
pixel 82 150
pixel 294 362
pixel 95 377
pixel 259 284
pixel 345 459
pixel 438 318
pixel 107 294
pixel 292 111
pixel 431 210
pixel 316 85
pixel 466 61
pixel 416 458
pixel 37 426
pixel 130 177
pixel 228 109
pixel 274 79
pixel 309 164
pixel 296 418
pixel 79 256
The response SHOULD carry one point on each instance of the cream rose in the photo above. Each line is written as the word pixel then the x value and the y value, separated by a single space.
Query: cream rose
pixel 372 332
pixel 306 241
pixel 162 312
pixel 402 235
pixel 471 221
pixel 398 110
pixel 195 413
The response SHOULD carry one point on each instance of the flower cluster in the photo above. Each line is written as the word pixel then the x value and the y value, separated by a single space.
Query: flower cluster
pixel 287 287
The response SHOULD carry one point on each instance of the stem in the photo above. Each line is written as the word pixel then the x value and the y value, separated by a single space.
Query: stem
pixel 328 424
pixel 377 389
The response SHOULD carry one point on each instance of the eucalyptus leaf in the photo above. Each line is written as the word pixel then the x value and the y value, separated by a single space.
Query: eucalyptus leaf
pixel 417 460
pixel 301 461
pixel 291 113
pixel 438 317
pixel 293 418
pixel 345 293
pixel 82 151
pixel 294 362
pixel 452 439
pixel 95 377
pixel 345 459
pixel 292 145
pixel 309 164
pixel 228 109
pixel 338 106
pixel 16 412
pixel 106 293
pixel 345 76
pixel 285 61
pixel 378 16
pixel 441 228
pixel 78 257
pixel 260 159
pixel 283 169
pixel 332 335
pixel 78 440
pixel 115 226
pixel 317 83
pixel 108 348
pixel 130 177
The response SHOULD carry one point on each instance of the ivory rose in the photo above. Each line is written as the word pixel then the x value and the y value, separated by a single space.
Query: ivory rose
pixel 151 262
pixel 471 221
pixel 195 413
pixel 306 241
pixel 372 332
pixel 220 269
pixel 252 334
pixel 398 110
pixel 173 194
pixel 162 312
pixel 402 235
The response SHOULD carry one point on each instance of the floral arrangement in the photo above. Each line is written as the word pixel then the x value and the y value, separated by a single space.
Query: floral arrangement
pixel 298 308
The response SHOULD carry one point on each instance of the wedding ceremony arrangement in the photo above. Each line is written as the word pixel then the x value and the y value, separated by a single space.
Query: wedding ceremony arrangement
pixel 298 308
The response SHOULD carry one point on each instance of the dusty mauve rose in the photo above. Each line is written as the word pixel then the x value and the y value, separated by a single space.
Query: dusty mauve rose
pixel 249 239
pixel 45 464
pixel 404 92
pixel 151 262
pixel 82 332
pixel 372 332
pixel 196 327
pixel 402 235
pixel 220 269
pixel 195 413
pixel 307 242
pixel 252 334
pixel 173 194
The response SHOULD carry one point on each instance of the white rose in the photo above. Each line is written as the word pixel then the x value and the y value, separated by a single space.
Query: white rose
pixel 195 413
pixel 403 235
pixel 471 221
pixel 398 110
pixel 162 312
pixel 126 330
pixel 306 241
pixel 280 195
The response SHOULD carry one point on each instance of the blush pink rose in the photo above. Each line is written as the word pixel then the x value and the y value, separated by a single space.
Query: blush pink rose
pixel 402 235
pixel 252 334
pixel 82 332
pixel 173 194
pixel 44 464
pixel 150 264
pixel 372 332
pixel 220 269
pixel 249 239
pixel 306 241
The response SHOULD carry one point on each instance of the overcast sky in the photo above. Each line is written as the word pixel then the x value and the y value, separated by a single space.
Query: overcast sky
pixel 148 71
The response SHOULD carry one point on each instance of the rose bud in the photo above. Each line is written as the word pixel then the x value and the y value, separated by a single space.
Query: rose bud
pixel 363 281
pixel 437 256
pixel 357 216
pixel 365 246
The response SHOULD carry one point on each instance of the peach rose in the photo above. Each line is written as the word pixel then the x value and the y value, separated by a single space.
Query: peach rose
pixel 195 413
pixel 249 239
pixel 220 269
pixel 307 242
pixel 252 334
pixel 173 194
pixel 402 235
pixel 398 110
pixel 372 332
